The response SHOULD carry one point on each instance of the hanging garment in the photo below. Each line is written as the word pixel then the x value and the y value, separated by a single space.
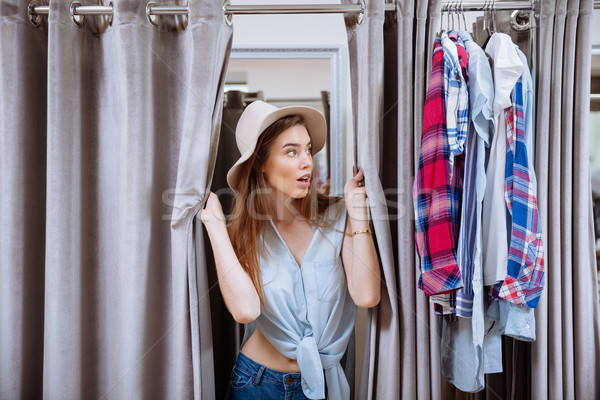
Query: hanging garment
pixel 524 281
pixel 507 68
pixel 314 322
pixel 432 195
pixel 481 99
pixel 462 341
pixel 514 320
pixel 457 126
pixel 505 317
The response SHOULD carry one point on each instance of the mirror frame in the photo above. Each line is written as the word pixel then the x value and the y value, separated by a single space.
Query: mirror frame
pixel 334 53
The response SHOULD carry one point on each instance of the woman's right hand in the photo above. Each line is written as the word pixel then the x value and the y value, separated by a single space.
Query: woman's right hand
pixel 212 212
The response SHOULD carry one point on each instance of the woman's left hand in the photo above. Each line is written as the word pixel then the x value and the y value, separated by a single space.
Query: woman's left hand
pixel 358 251
pixel 355 196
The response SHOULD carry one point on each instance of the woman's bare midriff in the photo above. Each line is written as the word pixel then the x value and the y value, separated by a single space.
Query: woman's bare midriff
pixel 259 349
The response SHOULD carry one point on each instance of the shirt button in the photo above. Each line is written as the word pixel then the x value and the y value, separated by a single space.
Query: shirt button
pixel 519 294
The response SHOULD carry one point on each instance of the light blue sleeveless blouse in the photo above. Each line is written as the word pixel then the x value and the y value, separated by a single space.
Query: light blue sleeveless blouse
pixel 308 313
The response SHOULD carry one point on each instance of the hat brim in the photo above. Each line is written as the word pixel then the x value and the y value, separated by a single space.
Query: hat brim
pixel 315 124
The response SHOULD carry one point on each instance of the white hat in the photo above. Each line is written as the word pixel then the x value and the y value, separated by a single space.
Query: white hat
pixel 258 116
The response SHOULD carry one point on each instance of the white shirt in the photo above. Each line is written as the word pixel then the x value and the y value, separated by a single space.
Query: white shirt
pixel 507 67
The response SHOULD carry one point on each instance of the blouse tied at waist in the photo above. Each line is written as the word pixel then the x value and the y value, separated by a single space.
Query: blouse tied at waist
pixel 308 314
pixel 312 364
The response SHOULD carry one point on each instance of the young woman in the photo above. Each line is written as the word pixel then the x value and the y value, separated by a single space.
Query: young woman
pixel 290 264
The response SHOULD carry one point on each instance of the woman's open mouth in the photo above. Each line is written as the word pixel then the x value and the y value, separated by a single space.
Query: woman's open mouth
pixel 304 181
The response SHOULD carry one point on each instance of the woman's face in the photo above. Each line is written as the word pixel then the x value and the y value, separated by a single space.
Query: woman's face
pixel 288 169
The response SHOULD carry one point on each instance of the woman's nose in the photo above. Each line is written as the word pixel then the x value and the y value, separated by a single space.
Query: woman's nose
pixel 306 160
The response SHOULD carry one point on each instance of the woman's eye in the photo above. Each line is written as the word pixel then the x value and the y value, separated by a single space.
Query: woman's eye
pixel 309 151
pixel 291 152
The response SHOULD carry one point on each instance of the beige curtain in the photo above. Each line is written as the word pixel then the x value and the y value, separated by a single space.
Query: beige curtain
pixel 564 361
pixel 402 350
pixel 566 355
pixel 365 44
pixel 106 139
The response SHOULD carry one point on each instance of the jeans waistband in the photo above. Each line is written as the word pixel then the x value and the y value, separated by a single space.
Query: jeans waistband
pixel 269 374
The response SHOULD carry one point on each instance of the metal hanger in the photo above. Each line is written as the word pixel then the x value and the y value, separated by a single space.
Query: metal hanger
pixel 462 11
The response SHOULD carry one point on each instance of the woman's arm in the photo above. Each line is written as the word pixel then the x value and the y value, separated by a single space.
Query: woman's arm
pixel 358 251
pixel 237 288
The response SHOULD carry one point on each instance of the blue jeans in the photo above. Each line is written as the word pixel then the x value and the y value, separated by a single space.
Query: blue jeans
pixel 251 380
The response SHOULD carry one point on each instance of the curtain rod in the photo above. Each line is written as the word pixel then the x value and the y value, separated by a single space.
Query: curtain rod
pixel 153 9
pixel 357 8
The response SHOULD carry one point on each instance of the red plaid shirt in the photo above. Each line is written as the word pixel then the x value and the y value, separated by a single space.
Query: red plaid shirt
pixel 435 230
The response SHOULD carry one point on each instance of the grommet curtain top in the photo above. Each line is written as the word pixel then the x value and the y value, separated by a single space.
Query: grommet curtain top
pixel 154 11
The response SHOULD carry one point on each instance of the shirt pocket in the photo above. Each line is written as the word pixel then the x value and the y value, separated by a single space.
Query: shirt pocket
pixel 329 279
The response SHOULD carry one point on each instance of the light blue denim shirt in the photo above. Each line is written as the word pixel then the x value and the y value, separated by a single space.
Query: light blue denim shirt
pixel 308 313
pixel 481 102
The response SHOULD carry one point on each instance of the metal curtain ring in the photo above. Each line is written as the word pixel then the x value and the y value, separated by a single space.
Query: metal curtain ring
pixel 34 18
pixel 110 17
pixel 155 11
pixel 77 19
pixel 152 18
pixel 519 21
pixel 78 12
pixel 228 16
pixel 361 15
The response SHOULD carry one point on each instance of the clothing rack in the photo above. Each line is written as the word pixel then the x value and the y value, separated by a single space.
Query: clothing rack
pixel 153 10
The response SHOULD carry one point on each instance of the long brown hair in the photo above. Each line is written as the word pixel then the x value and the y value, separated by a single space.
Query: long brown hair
pixel 253 205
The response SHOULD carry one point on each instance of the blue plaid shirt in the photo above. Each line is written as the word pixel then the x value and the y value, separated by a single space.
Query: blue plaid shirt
pixel 524 282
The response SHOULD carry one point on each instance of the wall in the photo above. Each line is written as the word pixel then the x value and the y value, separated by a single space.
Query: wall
pixel 297 30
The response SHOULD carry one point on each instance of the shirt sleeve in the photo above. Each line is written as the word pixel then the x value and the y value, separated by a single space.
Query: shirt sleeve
pixel 434 232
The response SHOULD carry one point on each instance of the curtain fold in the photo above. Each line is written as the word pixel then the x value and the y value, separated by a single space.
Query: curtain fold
pixel 23 61
pixel 100 187
pixel 366 55
pixel 421 371
pixel 566 354
pixel 563 362
pixel 211 46
pixel 386 112
pixel 387 106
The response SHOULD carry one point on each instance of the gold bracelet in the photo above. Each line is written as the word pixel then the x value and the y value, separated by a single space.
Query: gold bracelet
pixel 363 231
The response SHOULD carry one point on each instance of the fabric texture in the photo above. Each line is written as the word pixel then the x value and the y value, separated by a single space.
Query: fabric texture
pixel 506 68
pixel 434 195
pixel 103 283
pixel 456 131
pixel 564 360
pixel 525 270
pixel 469 253
pixel 366 52
pixel 566 353
pixel 387 106
pixel 250 381
pixel 313 324
pixel 466 344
